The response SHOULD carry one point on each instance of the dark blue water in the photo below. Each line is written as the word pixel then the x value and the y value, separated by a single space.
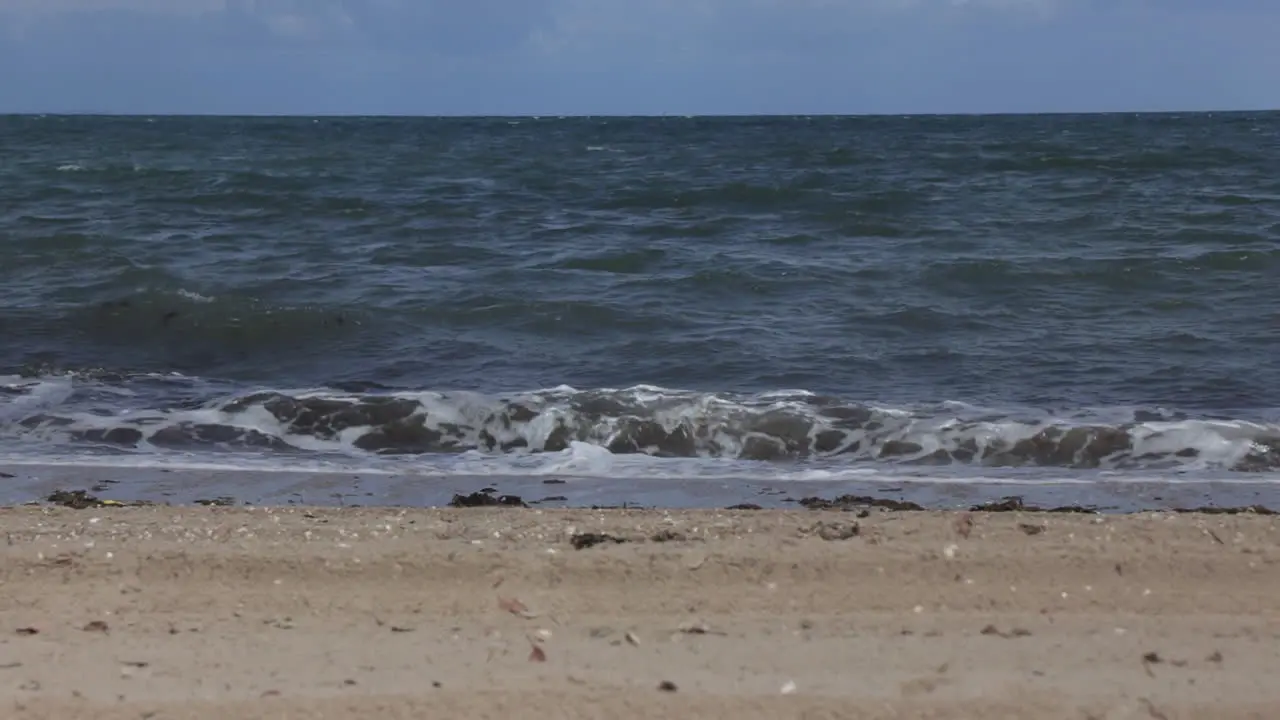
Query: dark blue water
pixel 799 297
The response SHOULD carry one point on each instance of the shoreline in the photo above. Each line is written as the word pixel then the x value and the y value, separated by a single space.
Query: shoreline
pixel 862 505
pixel 34 482
pixel 323 612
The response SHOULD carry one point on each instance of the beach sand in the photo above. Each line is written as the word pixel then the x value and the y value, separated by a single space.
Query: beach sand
pixel 213 612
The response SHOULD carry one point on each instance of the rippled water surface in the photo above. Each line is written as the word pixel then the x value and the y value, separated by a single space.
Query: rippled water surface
pixel 782 297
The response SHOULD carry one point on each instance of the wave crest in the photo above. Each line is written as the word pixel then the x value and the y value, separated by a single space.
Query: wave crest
pixel 778 426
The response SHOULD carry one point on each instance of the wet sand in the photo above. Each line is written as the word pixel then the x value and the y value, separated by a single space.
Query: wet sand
pixel 211 612
pixel 184 485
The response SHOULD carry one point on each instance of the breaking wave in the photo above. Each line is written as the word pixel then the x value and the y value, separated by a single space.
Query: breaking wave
pixel 780 426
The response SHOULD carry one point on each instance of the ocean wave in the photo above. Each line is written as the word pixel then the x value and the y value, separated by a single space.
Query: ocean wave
pixel 177 317
pixel 781 426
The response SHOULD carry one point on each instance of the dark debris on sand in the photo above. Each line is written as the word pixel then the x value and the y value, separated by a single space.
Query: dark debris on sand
pixel 859 502
pixel 1210 510
pixel 485 498
pixel 1014 504
pixel 1016 632
pixel 862 503
pixel 82 500
pixel 582 541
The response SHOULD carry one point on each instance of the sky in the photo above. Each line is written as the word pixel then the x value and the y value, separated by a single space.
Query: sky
pixel 653 57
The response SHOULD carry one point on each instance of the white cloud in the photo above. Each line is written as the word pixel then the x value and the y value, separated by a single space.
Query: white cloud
pixel 312 21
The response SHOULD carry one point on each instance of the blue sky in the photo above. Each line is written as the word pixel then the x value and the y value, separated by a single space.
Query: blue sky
pixel 637 56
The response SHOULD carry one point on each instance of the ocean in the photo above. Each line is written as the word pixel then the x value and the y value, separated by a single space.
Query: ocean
pixel 1056 299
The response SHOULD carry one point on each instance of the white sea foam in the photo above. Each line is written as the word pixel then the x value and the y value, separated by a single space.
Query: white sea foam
pixel 641 431
pixel 195 296
pixel 585 463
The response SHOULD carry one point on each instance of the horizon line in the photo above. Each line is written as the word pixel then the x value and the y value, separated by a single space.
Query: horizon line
pixel 477 116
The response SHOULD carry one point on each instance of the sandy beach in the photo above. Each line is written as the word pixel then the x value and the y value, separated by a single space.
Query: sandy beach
pixel 211 612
